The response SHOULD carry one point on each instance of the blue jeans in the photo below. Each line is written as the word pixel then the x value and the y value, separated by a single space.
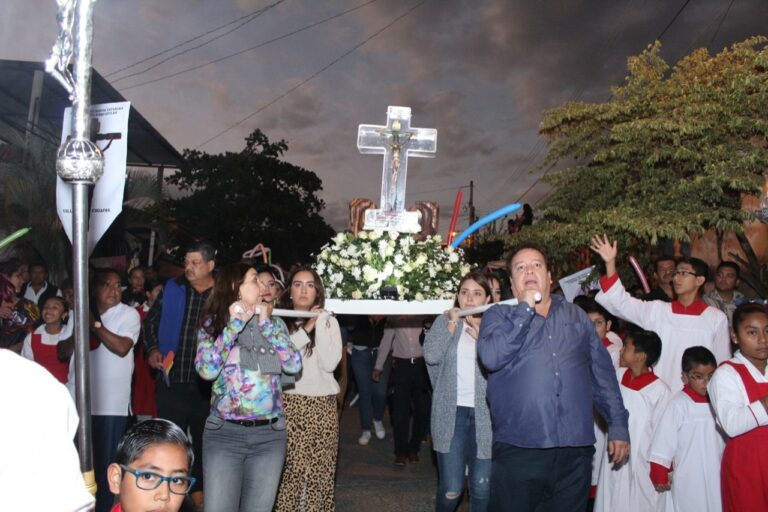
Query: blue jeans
pixel 463 453
pixel 540 479
pixel 242 465
pixel 373 395
pixel 106 434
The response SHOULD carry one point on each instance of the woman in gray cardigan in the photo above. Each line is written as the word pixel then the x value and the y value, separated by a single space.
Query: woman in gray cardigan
pixel 461 421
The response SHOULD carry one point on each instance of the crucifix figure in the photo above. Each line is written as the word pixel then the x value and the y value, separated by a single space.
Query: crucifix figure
pixel 396 141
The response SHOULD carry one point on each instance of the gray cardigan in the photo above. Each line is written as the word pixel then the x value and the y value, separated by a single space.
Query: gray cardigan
pixel 440 348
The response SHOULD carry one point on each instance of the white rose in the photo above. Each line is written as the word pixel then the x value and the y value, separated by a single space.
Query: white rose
pixel 393 235
pixel 383 247
pixel 369 273
pixel 357 295
pixel 408 267
pixel 398 259
pixel 389 251
pixel 339 238
pixel 375 234
pixel 397 273
pixel 421 259
pixel 419 296
pixel 362 235
pixel 356 272
pixel 345 263
pixel 453 258
pixel 432 272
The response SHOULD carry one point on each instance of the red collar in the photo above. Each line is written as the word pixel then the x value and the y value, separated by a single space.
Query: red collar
pixel 639 382
pixel 607 342
pixel 695 309
pixel 695 396
pixel 117 508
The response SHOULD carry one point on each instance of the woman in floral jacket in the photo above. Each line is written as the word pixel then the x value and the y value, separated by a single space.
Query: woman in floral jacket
pixel 245 351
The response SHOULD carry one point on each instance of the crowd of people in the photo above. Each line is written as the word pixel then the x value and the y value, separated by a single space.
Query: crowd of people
pixel 612 402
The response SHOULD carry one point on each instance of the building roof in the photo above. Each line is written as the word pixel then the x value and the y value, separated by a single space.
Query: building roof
pixel 146 146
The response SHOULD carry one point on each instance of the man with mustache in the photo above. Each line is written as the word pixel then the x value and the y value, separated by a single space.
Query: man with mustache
pixel 170 335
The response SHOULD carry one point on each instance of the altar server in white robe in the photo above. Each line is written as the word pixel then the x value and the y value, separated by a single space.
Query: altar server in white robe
pixel 603 322
pixel 628 488
pixel 687 446
pixel 739 392
pixel 685 322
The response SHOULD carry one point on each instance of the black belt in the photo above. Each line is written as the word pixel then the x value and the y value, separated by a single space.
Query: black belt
pixel 253 423
pixel 409 360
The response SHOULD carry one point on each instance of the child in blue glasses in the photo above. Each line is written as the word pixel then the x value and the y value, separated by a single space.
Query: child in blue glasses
pixel 151 470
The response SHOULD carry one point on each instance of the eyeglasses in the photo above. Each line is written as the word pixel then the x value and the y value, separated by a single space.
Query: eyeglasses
pixel 149 481
pixel 683 273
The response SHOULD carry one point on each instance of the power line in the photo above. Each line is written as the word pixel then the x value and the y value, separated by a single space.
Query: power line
pixel 672 21
pixel 313 75
pixel 187 50
pixel 249 15
pixel 719 25
pixel 661 34
pixel 260 45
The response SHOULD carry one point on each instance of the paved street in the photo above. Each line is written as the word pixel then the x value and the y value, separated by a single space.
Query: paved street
pixel 369 481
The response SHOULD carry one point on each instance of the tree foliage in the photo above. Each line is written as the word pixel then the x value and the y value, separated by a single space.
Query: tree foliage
pixel 668 156
pixel 236 200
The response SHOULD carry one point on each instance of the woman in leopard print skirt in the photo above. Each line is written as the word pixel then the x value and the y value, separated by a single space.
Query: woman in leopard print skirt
pixel 312 423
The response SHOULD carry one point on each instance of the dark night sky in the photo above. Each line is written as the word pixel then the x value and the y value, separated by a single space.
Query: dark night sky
pixel 481 72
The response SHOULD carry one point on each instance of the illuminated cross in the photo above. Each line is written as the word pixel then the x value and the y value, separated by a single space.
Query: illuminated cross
pixel 396 141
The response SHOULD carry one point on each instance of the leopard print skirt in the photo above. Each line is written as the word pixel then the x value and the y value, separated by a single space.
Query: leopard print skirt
pixel 309 473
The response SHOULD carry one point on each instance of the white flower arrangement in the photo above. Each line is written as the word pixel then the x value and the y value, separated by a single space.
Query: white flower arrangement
pixel 359 266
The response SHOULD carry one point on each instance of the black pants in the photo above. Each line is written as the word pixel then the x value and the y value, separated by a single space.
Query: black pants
pixel 540 480
pixel 188 406
pixel 410 399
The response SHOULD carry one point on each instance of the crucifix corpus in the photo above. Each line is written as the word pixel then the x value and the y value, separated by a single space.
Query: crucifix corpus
pixel 396 141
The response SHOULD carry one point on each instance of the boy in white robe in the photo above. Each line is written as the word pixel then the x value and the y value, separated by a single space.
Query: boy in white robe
pixel 685 322
pixel 628 488
pixel 687 446
pixel 603 322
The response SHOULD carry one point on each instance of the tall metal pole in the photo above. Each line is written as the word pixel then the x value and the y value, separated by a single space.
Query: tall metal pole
pixel 80 163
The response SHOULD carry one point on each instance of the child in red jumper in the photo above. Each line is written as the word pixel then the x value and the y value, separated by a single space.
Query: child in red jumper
pixel 40 345
pixel 739 393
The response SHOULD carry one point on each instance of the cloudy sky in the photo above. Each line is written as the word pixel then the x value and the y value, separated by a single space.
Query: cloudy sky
pixel 481 72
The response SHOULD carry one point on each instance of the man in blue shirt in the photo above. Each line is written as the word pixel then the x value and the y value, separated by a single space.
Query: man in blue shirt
pixel 547 370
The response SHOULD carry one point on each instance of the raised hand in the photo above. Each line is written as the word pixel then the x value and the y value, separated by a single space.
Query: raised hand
pixel 607 251
pixel 604 248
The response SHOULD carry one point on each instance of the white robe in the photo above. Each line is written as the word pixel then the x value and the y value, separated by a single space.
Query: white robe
pixel 601 429
pixel 689 440
pixel 677 331
pixel 629 488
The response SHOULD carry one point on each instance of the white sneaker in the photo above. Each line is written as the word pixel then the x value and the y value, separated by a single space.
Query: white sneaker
pixel 378 426
pixel 364 438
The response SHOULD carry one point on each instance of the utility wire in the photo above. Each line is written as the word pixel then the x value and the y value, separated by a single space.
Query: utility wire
pixel 719 25
pixel 260 45
pixel 142 61
pixel 661 34
pixel 672 21
pixel 313 75
pixel 192 48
